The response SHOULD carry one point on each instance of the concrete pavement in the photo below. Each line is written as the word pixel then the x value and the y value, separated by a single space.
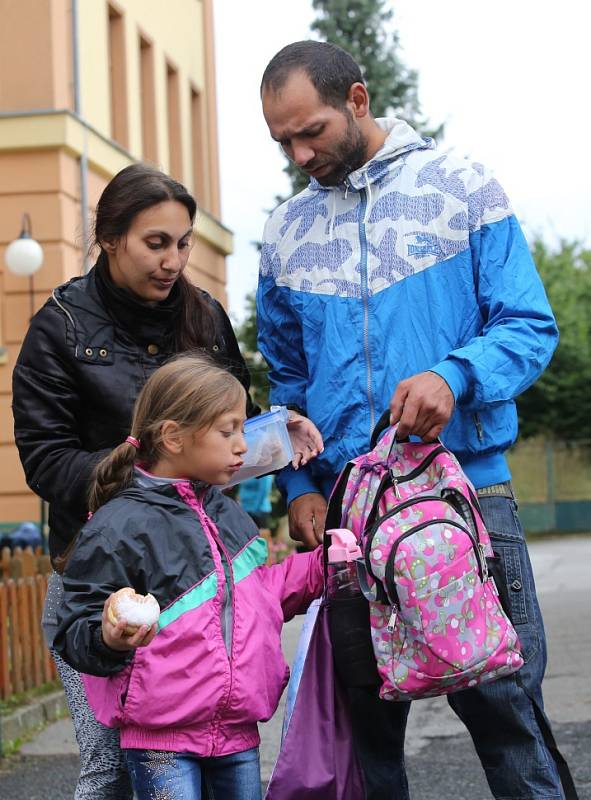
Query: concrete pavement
pixel 441 760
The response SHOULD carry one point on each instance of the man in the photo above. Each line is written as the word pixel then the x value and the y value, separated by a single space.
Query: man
pixel 401 278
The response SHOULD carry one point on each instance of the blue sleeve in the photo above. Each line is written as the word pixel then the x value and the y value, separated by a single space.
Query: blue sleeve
pixel 280 342
pixel 519 332
pixel 292 483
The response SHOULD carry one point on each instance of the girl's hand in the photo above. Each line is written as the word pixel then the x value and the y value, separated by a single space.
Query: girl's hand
pixel 305 439
pixel 115 637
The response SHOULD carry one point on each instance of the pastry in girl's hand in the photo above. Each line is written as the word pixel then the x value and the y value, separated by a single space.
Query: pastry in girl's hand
pixel 135 609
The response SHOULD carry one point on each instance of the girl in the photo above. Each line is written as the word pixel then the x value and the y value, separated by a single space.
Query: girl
pixel 87 354
pixel 187 693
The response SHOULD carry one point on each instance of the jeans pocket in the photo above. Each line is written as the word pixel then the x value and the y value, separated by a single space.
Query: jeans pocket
pixel 519 591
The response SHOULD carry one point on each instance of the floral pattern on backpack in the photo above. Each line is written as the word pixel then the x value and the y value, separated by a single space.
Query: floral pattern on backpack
pixel 437 623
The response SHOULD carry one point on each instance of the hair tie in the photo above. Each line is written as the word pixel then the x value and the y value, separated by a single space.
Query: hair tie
pixel 135 442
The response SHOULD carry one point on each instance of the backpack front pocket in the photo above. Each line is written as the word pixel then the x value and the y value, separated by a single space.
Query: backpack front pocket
pixel 451 618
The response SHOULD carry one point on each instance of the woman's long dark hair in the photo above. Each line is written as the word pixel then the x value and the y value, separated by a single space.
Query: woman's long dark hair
pixel 130 192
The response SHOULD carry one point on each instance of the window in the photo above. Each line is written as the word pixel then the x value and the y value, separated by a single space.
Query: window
pixel 175 156
pixel 198 150
pixel 148 102
pixel 118 77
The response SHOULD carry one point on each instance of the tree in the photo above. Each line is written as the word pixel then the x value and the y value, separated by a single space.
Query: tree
pixel 559 404
pixel 362 28
pixel 246 333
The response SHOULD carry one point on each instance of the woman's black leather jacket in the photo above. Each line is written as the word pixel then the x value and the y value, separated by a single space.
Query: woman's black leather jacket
pixel 80 369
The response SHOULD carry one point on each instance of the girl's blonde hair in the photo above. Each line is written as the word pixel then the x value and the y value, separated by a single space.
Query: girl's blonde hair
pixel 190 390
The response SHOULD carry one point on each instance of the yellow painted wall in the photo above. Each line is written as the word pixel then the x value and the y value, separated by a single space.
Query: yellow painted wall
pixel 174 28
pixel 40 155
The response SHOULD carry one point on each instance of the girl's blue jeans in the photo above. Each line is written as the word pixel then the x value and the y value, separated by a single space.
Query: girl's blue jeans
pixel 183 776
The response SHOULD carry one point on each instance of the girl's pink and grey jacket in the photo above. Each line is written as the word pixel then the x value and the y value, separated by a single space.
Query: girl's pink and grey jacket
pixel 215 667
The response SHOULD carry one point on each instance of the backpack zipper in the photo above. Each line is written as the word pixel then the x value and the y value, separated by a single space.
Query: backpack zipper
pixel 417 470
pixel 389 570
pixel 390 480
pixel 475 503
pixel 400 507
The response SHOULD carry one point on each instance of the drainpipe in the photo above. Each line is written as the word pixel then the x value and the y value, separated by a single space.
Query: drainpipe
pixel 83 159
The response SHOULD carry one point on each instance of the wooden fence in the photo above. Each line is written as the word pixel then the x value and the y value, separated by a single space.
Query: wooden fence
pixel 25 662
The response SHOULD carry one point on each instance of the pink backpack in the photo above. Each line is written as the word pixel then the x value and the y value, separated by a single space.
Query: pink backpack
pixel 437 623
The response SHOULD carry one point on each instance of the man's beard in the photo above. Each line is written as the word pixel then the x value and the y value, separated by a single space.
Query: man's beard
pixel 349 155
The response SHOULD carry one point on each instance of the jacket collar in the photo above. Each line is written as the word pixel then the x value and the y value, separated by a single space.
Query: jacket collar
pixel 166 494
pixel 95 307
pixel 145 322
pixel 400 139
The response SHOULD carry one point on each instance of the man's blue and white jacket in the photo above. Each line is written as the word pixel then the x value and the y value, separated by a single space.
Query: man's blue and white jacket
pixel 416 263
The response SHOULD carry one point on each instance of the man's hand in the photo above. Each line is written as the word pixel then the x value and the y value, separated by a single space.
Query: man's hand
pixel 307 514
pixel 421 405
pixel 305 439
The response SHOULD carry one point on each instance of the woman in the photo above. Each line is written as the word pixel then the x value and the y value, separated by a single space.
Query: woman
pixel 87 354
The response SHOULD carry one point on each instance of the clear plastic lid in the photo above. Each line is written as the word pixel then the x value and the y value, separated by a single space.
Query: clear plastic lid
pixel 269 445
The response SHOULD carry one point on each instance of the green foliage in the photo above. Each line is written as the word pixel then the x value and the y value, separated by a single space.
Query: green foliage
pixel 15 701
pixel 362 28
pixel 246 333
pixel 559 404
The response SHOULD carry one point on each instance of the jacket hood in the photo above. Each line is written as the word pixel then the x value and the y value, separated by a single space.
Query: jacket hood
pixel 400 139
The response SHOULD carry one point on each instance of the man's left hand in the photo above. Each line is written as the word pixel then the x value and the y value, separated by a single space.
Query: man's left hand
pixel 305 439
pixel 421 405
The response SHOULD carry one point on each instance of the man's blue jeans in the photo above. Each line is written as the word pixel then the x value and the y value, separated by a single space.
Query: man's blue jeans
pixel 499 716
pixel 183 776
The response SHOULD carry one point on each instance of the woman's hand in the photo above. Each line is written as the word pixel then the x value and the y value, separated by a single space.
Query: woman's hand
pixel 305 439
pixel 115 637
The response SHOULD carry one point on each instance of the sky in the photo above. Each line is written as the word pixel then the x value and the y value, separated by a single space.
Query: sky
pixel 509 79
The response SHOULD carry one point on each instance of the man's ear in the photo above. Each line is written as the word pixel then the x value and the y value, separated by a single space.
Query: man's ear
pixel 172 438
pixel 358 100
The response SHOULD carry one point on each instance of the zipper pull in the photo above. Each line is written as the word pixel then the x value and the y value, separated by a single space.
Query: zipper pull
pixel 478 425
pixel 393 618
pixel 396 489
pixel 483 562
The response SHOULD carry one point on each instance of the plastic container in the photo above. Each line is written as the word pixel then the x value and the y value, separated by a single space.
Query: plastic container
pixel 343 580
pixel 269 445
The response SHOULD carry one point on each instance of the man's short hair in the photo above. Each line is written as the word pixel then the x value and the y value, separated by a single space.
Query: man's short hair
pixel 330 69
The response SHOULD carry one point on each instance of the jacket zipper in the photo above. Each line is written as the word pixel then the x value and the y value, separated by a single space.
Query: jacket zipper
pixel 478 426
pixel 389 570
pixel 224 555
pixel 365 300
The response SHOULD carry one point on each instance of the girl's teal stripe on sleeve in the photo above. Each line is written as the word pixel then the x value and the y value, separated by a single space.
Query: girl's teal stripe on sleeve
pixel 192 599
pixel 253 556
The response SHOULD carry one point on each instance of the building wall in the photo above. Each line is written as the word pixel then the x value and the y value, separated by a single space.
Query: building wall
pixel 61 139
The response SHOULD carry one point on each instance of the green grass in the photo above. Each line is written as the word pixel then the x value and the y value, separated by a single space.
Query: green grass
pixel 24 698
